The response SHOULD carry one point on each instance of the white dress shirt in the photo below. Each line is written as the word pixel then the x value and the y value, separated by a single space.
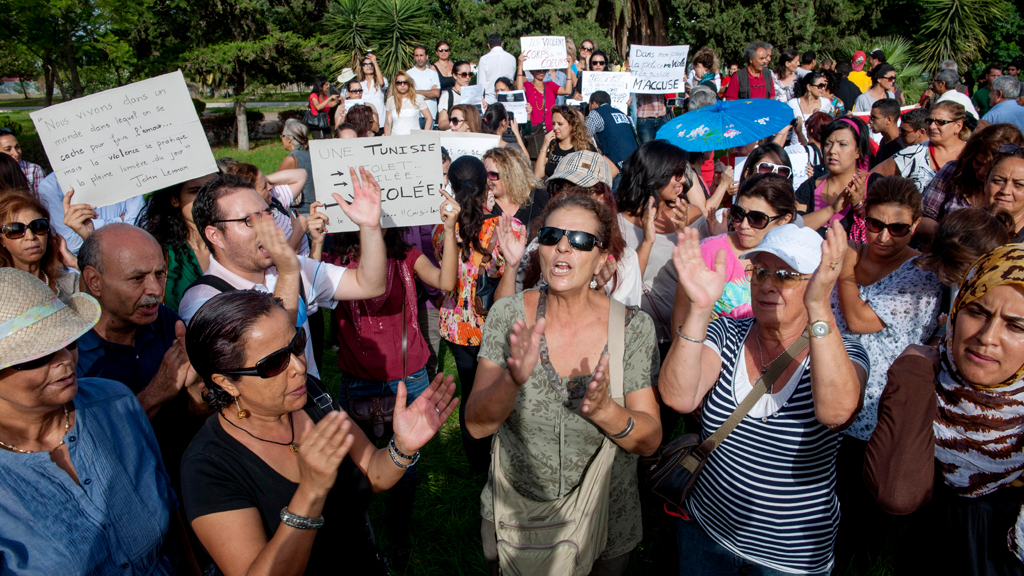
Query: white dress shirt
pixel 495 64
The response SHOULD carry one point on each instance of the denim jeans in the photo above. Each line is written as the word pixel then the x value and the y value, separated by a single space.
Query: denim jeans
pixel 415 384
pixel 701 555
pixel 647 128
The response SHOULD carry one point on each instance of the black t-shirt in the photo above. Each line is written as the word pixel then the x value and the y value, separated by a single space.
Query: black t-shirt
pixel 220 474
pixel 526 214
pixel 554 157
pixel 887 149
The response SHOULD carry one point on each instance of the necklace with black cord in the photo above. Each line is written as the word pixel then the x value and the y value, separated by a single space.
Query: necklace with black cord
pixel 290 444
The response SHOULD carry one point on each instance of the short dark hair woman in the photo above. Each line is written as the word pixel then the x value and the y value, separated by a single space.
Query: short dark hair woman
pixel 320 102
pixel 278 480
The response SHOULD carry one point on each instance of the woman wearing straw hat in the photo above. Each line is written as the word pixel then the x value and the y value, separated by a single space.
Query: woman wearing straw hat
pixel 84 488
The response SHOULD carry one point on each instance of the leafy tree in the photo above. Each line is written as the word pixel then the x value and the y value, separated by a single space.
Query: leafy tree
pixel 16 61
pixel 957 29
pixel 391 27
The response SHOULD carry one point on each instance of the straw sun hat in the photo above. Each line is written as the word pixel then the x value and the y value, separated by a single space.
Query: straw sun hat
pixel 34 322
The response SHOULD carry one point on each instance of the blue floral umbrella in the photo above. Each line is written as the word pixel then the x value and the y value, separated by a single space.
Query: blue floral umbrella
pixel 727 124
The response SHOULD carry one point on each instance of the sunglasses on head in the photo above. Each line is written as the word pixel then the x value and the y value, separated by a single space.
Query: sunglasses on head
pixel 896 229
pixel 43 360
pixel 930 121
pixel 15 230
pixel 493 176
pixel 1005 149
pixel 770 168
pixel 781 278
pixel 755 218
pixel 583 241
pixel 274 363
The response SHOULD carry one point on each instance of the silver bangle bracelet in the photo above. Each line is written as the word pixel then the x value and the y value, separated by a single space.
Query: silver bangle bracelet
pixel 300 522
pixel 679 331
pixel 394 457
pixel 624 433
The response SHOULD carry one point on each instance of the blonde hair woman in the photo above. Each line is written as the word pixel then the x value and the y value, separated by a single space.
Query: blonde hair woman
pixel 512 183
pixel 402 95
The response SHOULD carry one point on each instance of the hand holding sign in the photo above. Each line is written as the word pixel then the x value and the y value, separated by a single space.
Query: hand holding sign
pixel 364 210
pixel 317 222
pixel 450 211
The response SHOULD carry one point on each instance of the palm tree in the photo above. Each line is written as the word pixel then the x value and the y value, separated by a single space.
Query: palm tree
pixel 955 29
pixel 391 27
pixel 910 77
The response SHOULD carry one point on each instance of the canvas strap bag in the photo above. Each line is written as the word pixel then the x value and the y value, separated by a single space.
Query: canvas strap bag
pixel 566 535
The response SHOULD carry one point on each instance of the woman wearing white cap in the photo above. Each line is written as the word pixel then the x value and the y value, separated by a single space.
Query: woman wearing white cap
pixel 84 489
pixel 765 497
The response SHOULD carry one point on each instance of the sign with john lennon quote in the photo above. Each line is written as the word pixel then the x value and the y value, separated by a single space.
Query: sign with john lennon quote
pixel 122 142
pixel 658 69
pixel 408 169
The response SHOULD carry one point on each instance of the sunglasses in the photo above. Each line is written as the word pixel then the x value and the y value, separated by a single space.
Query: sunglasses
pixel 360 91
pixel 587 48
pixel 493 176
pixel 444 49
pixel 930 121
pixel 821 86
pixel 781 278
pixel 769 168
pixel 455 120
pixel 896 229
pixel 401 83
pixel 251 219
pixel 583 241
pixel 365 64
pixel 44 360
pixel 1005 149
pixel 598 62
pixel 756 219
pixel 15 230
pixel 274 363
pixel 464 74
pixel 889 78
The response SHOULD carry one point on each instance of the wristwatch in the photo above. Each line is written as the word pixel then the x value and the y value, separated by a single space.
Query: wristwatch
pixel 820 329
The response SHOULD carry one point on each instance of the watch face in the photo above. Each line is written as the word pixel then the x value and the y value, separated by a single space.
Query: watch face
pixel 819 329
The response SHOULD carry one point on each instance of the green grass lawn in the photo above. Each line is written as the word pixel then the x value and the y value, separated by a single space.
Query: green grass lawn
pixel 264 154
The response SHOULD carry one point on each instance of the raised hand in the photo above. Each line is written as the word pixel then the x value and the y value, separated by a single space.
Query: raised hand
pixel 596 397
pixel 418 422
pixel 79 217
pixel 450 211
pixel 66 256
pixel 270 239
pixel 317 222
pixel 833 250
pixel 716 226
pixel 512 248
pixel 702 286
pixel 548 138
pixel 611 265
pixel 855 190
pixel 524 350
pixel 650 216
pixel 364 210
pixel 680 215
pixel 321 451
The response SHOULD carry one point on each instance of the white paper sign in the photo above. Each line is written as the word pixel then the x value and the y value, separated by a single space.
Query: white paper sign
pixel 468 143
pixel 799 161
pixel 616 84
pixel 658 69
pixel 737 169
pixel 408 169
pixel 515 102
pixel 350 102
pixel 127 141
pixel 472 94
pixel 544 52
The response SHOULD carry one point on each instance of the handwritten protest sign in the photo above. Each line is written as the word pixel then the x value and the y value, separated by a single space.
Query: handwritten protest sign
pixel 468 144
pixel 543 52
pixel 127 141
pixel 658 69
pixel 515 102
pixel 616 84
pixel 408 169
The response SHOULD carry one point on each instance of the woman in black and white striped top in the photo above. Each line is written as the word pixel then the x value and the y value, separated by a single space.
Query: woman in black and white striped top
pixel 765 502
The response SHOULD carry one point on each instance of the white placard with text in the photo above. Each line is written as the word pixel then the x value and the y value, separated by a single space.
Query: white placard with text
pixel 515 102
pixel 658 69
pixel 544 52
pixel 468 144
pixel 616 84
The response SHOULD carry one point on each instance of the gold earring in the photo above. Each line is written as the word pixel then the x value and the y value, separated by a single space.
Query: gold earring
pixel 242 412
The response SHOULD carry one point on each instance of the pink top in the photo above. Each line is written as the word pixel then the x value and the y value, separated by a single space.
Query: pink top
pixel 735 300
pixel 539 109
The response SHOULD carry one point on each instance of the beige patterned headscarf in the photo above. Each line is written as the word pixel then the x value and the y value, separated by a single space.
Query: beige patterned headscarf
pixel 979 430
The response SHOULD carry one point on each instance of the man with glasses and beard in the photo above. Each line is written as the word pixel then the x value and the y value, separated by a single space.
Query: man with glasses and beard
pixel 138 341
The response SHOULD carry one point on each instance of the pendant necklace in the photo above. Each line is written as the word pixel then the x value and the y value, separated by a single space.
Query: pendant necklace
pixel 290 444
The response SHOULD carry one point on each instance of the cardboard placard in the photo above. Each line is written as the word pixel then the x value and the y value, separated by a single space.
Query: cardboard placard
pixel 616 84
pixel 515 102
pixel 658 69
pixel 544 52
pixel 468 143
pixel 408 169
pixel 127 141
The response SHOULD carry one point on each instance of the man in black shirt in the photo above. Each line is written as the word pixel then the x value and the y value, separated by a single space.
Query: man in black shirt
pixel 847 90
pixel 884 120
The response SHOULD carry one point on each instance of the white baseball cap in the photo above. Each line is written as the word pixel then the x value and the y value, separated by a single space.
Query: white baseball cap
pixel 800 248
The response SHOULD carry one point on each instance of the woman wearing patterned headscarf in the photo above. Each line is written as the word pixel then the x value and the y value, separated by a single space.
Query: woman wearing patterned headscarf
pixel 949 444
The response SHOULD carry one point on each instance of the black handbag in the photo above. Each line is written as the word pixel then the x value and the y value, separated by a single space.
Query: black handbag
pixel 319 121
pixel 672 471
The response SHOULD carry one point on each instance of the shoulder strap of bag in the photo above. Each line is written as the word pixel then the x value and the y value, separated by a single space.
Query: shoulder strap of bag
pixel 762 385
pixel 616 350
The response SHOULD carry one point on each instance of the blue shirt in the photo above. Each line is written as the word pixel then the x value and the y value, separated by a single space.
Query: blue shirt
pixel 134 366
pixel 1006 111
pixel 115 521
pixel 53 198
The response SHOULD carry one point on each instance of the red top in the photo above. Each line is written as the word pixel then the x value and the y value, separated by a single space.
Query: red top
pixel 370 331
pixel 758 87
pixel 540 111
pixel 314 98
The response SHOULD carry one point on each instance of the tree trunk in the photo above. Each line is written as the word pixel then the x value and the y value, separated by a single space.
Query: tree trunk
pixel 60 84
pixel 69 58
pixel 23 91
pixel 241 125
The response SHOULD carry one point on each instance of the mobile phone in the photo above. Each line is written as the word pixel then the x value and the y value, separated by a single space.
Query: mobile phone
pixel 511 115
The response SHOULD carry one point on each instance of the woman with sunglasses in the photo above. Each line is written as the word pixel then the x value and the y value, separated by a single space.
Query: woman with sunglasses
pixel 883 84
pixel 373 83
pixel 947 135
pixel 946 449
pixel 278 481
pixel 810 92
pixel 481 273
pixel 767 491
pixel 886 302
pixel 78 456
pixel 29 244
pixel 465 118
pixel 541 95
pixel 764 202
pixel 450 98
pixel 402 94
pixel 443 65
pixel 1005 185
pixel 363 118
pixel 542 384
pixel 838 196
pixel 597 62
